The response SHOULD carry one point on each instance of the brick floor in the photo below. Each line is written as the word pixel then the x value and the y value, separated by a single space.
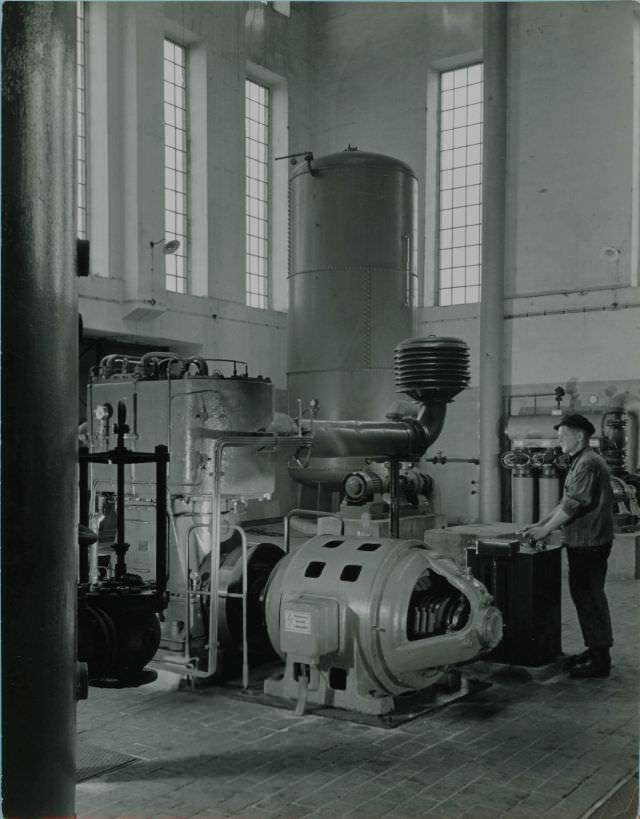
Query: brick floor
pixel 520 749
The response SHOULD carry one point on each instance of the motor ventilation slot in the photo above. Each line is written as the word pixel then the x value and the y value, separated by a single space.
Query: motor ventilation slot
pixel 350 573
pixel 369 547
pixel 314 569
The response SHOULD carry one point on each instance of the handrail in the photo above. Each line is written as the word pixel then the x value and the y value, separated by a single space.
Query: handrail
pixel 222 440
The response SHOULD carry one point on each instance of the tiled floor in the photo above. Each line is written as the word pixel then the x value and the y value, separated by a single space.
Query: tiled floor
pixel 522 748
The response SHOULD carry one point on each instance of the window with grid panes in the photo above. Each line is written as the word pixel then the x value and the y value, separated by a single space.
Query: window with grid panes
pixel 257 105
pixel 81 122
pixel 460 185
pixel 176 165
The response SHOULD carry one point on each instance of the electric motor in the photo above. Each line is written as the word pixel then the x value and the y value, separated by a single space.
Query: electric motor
pixel 372 618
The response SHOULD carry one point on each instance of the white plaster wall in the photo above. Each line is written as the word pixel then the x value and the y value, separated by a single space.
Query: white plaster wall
pixel 373 65
pixel 122 297
pixel 359 74
pixel 570 133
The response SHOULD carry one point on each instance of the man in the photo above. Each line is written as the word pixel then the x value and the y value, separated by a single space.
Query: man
pixel 585 514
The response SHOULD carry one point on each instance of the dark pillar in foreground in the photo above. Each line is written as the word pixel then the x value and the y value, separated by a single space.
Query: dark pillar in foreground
pixel 39 409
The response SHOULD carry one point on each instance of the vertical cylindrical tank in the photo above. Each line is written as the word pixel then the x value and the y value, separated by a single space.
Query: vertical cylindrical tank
pixel 548 490
pixel 39 409
pixel 523 495
pixel 352 280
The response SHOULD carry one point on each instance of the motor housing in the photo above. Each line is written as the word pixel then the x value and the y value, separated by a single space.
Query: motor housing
pixel 364 619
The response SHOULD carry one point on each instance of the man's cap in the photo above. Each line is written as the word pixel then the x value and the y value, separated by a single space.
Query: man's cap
pixel 576 421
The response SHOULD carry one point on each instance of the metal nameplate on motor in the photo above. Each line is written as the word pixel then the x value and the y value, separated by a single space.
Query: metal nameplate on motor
pixel 495 547
pixel 297 621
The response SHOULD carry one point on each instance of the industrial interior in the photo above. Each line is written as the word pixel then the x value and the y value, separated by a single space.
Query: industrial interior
pixel 294 298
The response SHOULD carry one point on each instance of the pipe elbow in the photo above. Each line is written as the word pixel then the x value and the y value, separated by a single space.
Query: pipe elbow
pixel 431 419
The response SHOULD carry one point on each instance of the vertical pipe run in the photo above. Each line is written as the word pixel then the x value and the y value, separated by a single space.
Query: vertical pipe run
pixel 39 409
pixel 394 492
pixel 83 491
pixel 121 567
pixel 162 454
pixel 493 229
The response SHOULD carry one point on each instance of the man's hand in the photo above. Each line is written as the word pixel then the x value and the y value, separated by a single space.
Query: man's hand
pixel 536 533
pixel 526 529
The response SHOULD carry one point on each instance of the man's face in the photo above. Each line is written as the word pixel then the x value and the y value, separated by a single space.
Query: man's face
pixel 569 439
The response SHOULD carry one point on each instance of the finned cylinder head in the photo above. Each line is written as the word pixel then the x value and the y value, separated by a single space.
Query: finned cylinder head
pixel 432 369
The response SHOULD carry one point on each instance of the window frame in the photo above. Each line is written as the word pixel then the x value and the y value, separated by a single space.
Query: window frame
pixel 82 123
pixel 460 163
pixel 176 219
pixel 258 300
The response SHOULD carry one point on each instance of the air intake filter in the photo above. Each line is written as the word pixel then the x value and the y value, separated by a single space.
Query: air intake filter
pixel 431 369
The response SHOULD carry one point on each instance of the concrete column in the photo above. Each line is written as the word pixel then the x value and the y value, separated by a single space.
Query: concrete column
pixel 39 409
pixel 491 308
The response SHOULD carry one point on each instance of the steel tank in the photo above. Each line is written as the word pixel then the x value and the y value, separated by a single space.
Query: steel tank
pixel 531 430
pixel 352 280
pixel 548 490
pixel 523 493
pixel 187 414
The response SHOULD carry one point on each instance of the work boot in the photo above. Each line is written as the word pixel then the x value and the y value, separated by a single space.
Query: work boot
pixel 598 664
pixel 576 659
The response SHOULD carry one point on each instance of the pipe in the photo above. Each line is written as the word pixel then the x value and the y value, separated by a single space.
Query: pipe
pixel 405 440
pixel 39 409
pixel 402 440
pixel 222 440
pixel 431 417
pixel 631 407
pixel 564 311
pixel 493 231
pixel 394 505
pixel 245 587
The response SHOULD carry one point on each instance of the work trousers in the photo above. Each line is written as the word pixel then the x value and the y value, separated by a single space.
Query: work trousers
pixel 587 573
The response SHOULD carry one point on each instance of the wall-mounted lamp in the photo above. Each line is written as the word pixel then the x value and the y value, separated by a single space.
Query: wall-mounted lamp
pixel 168 247
pixel 610 254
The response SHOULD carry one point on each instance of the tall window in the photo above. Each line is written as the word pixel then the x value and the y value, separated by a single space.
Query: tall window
pixel 460 212
pixel 81 123
pixel 176 164
pixel 257 106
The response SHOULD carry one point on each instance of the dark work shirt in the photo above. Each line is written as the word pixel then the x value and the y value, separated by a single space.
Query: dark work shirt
pixel 588 499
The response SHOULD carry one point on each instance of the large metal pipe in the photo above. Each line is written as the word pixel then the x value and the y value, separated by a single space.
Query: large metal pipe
pixel 39 409
pixel 405 440
pixel 400 440
pixel 493 230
